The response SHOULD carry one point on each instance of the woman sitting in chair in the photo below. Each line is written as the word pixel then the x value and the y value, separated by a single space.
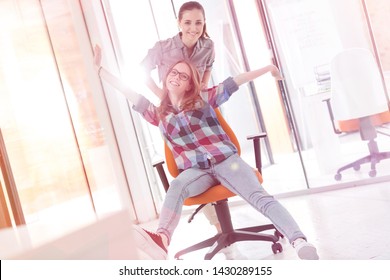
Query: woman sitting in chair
pixel 203 153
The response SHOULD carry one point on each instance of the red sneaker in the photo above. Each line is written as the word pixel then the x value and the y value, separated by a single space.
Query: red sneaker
pixel 150 243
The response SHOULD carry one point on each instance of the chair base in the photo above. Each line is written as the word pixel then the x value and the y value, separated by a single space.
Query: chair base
pixel 369 133
pixel 373 158
pixel 229 235
pixel 222 240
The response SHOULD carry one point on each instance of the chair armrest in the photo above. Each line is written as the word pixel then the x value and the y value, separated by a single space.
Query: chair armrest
pixel 161 173
pixel 257 149
pixel 327 101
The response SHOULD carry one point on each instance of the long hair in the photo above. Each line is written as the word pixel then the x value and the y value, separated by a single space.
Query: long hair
pixel 192 97
pixel 192 5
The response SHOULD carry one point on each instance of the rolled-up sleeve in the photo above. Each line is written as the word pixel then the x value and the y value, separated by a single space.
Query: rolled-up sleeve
pixel 230 85
pixel 146 109
pixel 221 93
pixel 152 58
pixel 211 59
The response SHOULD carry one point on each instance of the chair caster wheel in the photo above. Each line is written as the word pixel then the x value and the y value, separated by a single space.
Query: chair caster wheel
pixel 372 173
pixel 278 235
pixel 337 177
pixel 277 248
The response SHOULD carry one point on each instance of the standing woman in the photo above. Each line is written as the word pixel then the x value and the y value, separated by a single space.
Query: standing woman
pixel 192 44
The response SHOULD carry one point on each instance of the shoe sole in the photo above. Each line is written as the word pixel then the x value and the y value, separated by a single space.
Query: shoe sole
pixel 146 244
pixel 308 253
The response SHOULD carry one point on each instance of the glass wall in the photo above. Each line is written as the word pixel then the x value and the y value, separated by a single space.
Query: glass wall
pixel 377 12
pixel 285 172
pixel 63 168
pixel 306 36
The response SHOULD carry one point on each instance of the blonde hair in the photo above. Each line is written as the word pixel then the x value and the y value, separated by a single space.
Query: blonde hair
pixel 192 97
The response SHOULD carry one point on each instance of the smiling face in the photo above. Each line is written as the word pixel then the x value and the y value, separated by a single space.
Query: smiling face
pixel 182 85
pixel 179 79
pixel 192 24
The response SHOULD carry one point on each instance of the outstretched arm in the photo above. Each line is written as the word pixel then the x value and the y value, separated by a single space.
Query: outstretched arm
pixel 130 94
pixel 251 75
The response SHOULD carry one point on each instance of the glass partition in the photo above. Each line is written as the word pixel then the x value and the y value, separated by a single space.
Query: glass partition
pixel 307 35
pixel 56 144
pixel 284 172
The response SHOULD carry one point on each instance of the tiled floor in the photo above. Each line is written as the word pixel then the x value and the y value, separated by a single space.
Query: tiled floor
pixel 345 224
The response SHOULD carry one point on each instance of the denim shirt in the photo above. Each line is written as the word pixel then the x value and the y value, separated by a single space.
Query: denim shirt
pixel 195 137
pixel 168 52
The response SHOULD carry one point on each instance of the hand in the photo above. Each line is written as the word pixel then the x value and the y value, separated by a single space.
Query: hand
pixel 160 93
pixel 276 73
pixel 97 59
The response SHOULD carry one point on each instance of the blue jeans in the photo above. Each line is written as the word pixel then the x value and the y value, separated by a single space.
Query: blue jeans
pixel 240 178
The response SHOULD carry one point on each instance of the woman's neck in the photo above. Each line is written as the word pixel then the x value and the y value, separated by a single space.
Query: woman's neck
pixel 175 100
pixel 189 45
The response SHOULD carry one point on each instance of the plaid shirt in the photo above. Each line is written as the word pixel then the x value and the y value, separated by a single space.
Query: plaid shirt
pixel 195 137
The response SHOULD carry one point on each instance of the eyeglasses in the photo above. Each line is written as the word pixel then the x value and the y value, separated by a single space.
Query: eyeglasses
pixel 182 76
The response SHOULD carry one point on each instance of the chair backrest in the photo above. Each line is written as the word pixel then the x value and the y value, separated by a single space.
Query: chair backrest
pixel 356 85
pixel 170 161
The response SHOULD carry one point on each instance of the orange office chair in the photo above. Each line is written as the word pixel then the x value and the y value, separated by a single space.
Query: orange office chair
pixel 358 102
pixel 218 196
